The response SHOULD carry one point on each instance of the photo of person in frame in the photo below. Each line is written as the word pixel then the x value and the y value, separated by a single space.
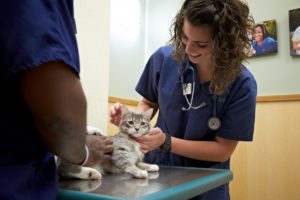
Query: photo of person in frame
pixel 294 23
pixel 264 38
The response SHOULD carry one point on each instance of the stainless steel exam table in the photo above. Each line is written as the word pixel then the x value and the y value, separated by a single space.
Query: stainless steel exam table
pixel 169 183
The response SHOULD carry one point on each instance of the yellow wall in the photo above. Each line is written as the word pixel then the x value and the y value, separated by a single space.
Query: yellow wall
pixel 267 168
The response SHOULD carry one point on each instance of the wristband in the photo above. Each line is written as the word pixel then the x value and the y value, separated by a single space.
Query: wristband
pixel 166 146
pixel 87 154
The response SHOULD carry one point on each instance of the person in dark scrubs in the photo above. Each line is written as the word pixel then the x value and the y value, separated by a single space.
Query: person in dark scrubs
pixel 205 96
pixel 43 107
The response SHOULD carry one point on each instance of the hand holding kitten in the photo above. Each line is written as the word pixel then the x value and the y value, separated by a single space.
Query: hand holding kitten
pixel 151 141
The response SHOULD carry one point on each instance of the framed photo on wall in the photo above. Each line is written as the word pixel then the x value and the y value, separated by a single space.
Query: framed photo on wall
pixel 264 39
pixel 294 25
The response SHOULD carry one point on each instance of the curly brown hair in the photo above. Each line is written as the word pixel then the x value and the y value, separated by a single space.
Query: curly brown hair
pixel 230 22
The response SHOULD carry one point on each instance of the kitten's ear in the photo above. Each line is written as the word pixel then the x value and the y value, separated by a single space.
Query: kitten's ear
pixel 124 110
pixel 148 113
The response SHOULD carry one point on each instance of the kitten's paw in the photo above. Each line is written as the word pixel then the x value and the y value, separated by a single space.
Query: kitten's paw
pixel 89 173
pixel 94 174
pixel 94 131
pixel 141 174
pixel 67 170
pixel 153 168
pixel 148 167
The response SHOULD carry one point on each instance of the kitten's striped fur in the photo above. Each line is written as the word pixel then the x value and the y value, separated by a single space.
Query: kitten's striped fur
pixel 127 155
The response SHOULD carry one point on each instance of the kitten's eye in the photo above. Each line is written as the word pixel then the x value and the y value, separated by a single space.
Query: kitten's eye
pixel 143 123
pixel 130 122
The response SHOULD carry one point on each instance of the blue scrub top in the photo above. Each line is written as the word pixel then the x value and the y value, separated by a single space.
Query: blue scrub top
pixel 161 83
pixel 32 32
pixel 268 46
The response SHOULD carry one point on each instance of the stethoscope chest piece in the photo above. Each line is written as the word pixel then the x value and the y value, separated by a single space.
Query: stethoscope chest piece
pixel 214 123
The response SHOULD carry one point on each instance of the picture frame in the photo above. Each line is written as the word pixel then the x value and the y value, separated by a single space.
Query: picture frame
pixel 294 32
pixel 264 39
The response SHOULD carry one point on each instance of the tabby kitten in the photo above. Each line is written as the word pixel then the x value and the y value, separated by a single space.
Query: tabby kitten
pixel 126 156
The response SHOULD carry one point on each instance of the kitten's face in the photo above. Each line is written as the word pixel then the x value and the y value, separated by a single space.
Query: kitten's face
pixel 135 124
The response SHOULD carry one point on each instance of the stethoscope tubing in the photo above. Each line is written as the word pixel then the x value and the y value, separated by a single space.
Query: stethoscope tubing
pixel 214 123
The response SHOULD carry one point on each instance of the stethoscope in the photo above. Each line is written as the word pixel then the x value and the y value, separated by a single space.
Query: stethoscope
pixel 214 122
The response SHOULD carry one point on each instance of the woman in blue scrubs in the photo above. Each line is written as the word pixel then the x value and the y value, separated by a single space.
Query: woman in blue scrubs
pixel 206 98
pixel 263 44
pixel 42 104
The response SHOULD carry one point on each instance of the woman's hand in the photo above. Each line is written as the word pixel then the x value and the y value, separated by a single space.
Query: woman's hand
pixel 152 140
pixel 115 113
